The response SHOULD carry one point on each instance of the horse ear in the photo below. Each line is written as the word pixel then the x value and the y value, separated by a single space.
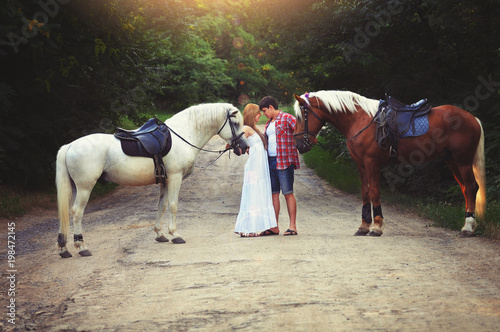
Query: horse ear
pixel 300 100
pixel 233 113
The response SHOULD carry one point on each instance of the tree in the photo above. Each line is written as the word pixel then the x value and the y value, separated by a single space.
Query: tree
pixel 70 69
pixel 446 51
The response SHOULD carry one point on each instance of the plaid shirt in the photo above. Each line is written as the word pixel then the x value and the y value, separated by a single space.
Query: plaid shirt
pixel 285 144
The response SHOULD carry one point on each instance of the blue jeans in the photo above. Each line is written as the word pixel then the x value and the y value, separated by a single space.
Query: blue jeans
pixel 281 178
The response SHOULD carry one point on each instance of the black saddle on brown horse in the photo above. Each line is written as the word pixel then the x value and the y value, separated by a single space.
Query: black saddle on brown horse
pixel 152 140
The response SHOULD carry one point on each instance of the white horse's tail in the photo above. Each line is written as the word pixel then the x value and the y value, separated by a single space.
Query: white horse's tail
pixel 64 190
pixel 479 174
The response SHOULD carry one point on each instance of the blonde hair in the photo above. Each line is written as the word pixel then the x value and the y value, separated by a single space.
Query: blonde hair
pixel 249 113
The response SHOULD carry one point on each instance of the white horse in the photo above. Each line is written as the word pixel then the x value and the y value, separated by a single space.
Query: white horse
pixel 100 157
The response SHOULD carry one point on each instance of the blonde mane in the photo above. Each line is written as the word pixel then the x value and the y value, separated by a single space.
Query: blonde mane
pixel 341 101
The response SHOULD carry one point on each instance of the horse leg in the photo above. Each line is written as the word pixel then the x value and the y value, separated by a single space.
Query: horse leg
pixel 373 176
pixel 366 214
pixel 162 208
pixel 63 198
pixel 465 178
pixel 174 186
pixel 62 240
pixel 169 197
pixel 81 200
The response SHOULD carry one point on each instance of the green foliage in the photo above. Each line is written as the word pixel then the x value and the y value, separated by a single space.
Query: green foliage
pixel 11 206
pixel 15 202
pixel 74 81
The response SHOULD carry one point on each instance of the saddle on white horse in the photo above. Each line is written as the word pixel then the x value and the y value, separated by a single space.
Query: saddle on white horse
pixel 152 140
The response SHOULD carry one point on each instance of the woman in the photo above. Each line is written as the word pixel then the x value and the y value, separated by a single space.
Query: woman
pixel 256 209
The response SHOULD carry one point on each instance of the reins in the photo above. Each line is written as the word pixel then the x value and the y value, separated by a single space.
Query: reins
pixel 366 127
pixel 233 140
pixel 194 146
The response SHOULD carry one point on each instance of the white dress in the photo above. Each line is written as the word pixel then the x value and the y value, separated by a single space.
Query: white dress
pixel 256 208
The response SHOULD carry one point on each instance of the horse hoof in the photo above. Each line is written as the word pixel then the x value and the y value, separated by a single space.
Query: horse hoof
pixel 361 233
pixel 467 234
pixel 178 240
pixel 375 233
pixel 85 253
pixel 65 254
pixel 162 238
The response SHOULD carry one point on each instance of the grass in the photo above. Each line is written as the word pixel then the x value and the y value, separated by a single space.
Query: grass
pixel 342 173
pixel 16 202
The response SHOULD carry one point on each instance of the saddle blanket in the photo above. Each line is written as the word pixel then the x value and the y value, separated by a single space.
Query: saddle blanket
pixel 418 127
pixel 396 120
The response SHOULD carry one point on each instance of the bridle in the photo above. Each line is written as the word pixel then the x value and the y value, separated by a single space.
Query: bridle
pixel 235 139
pixel 306 131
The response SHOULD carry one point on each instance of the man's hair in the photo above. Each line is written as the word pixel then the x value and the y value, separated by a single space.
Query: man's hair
pixel 267 101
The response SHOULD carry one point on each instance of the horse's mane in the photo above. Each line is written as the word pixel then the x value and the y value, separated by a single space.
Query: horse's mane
pixel 203 115
pixel 341 101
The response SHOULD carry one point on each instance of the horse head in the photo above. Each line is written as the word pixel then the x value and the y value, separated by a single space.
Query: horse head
pixel 307 128
pixel 232 131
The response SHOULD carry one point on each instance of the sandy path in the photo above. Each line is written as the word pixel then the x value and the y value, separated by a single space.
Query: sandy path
pixel 414 277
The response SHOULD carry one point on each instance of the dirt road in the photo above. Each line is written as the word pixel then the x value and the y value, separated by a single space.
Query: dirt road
pixel 413 278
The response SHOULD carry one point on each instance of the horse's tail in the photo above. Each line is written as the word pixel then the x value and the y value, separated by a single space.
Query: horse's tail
pixel 64 190
pixel 479 174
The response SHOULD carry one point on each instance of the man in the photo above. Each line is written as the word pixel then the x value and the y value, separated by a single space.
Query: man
pixel 283 160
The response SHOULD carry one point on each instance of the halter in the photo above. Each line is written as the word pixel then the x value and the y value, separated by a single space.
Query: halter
pixel 306 132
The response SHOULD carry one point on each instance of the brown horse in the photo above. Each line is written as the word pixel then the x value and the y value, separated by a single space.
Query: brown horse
pixel 453 134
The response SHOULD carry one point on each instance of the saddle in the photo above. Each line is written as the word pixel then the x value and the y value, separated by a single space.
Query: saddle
pixel 396 120
pixel 151 140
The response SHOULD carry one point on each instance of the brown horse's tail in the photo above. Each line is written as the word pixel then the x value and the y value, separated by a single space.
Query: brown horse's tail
pixel 479 173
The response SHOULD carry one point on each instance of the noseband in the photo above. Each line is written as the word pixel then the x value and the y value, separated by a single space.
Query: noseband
pixel 306 131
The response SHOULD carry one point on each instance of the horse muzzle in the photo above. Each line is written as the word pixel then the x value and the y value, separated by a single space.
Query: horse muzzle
pixel 239 146
pixel 304 145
